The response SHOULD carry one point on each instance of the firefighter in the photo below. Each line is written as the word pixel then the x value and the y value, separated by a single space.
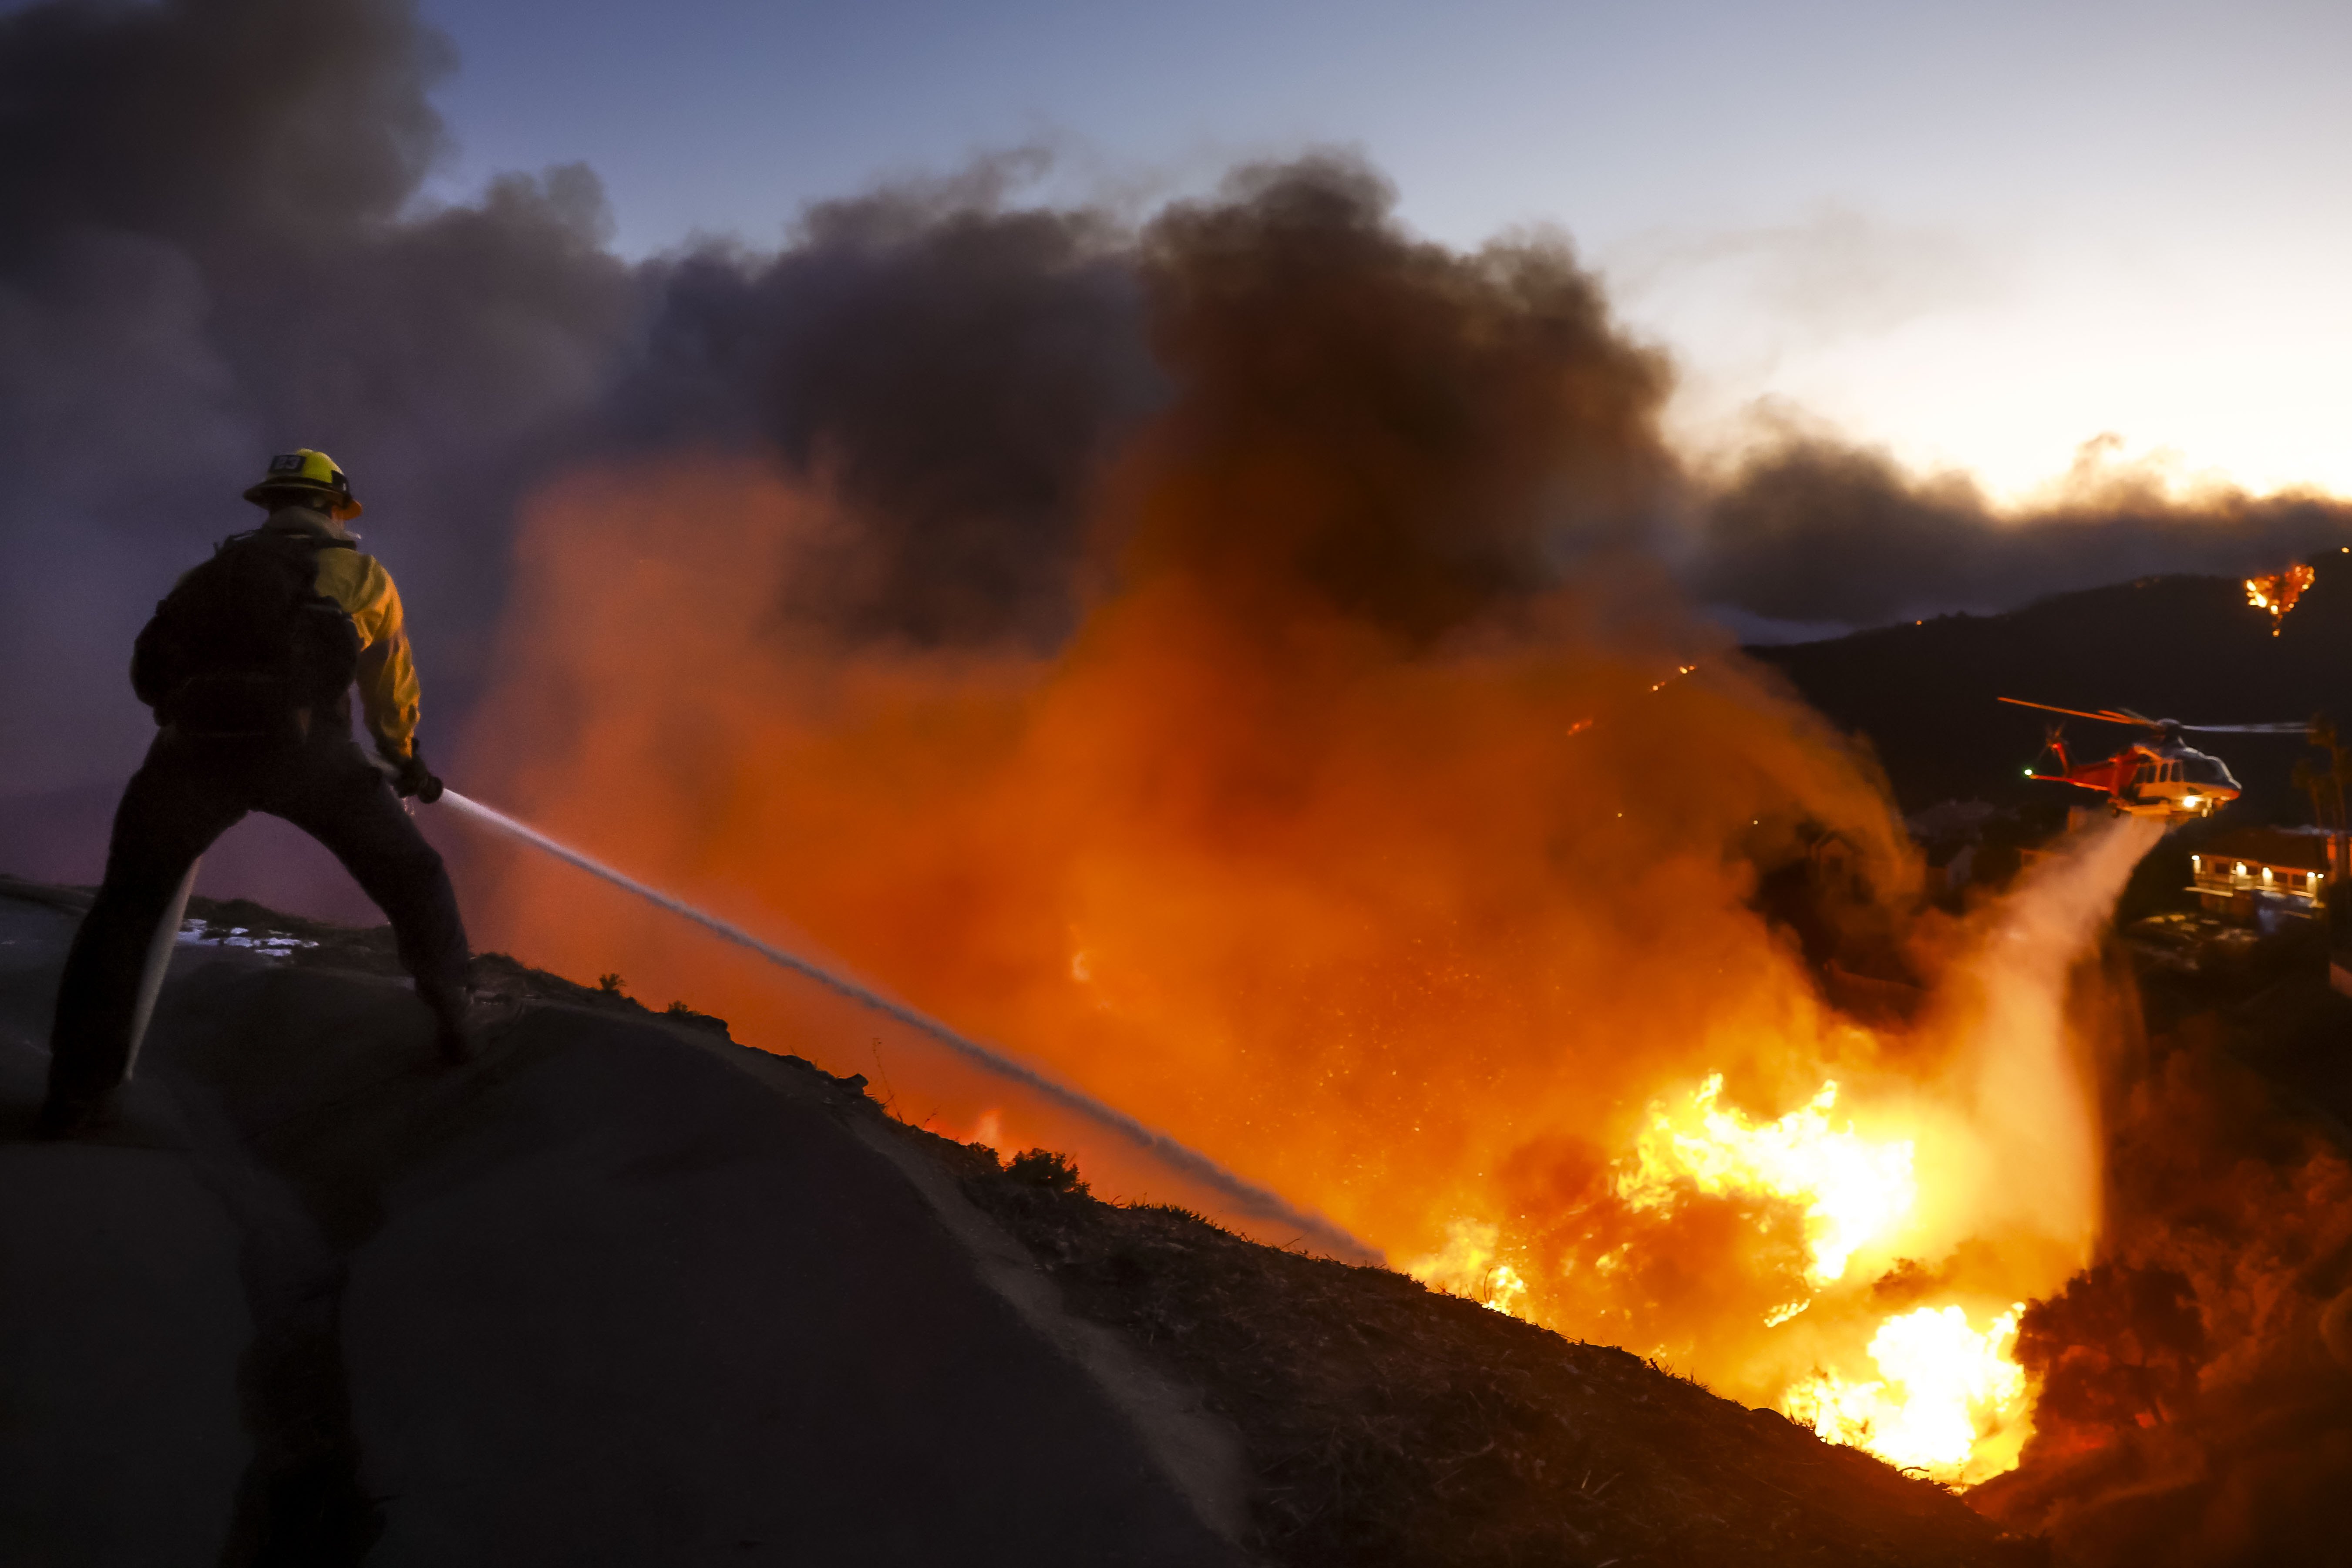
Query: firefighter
pixel 249 664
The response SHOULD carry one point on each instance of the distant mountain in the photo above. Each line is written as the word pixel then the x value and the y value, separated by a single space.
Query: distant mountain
pixel 2192 648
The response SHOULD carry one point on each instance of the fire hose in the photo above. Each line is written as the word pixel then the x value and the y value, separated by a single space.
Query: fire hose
pixel 1246 1196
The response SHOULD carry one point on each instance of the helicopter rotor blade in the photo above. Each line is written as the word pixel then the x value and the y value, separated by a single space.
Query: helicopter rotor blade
pixel 2112 716
pixel 2248 729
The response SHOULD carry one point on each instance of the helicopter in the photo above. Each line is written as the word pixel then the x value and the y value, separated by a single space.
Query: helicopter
pixel 2161 777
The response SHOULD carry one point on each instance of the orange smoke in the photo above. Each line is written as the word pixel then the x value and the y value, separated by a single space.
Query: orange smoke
pixel 1274 882
pixel 1379 832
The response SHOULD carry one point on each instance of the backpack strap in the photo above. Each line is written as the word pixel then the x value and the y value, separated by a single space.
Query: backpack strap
pixel 310 542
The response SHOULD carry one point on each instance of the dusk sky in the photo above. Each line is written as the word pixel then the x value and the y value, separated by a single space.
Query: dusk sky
pixel 1980 235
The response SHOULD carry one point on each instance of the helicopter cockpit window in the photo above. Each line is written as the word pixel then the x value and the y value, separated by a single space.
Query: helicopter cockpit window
pixel 2197 768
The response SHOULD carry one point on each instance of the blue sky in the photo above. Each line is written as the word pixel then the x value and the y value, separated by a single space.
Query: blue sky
pixel 1980 235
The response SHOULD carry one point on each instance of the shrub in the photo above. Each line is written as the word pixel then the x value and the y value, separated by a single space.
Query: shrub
pixel 1043 1168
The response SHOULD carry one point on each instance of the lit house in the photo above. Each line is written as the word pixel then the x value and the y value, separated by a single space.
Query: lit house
pixel 2260 872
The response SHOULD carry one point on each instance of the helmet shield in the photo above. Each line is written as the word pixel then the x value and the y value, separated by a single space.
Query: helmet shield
pixel 303 474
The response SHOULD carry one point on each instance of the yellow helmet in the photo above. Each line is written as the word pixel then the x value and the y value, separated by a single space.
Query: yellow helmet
pixel 304 470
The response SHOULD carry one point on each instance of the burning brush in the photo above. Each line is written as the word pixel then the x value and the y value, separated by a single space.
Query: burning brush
pixel 2278 592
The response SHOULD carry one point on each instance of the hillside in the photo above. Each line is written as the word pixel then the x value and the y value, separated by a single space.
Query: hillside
pixel 625 1291
pixel 1384 1423
pixel 1926 694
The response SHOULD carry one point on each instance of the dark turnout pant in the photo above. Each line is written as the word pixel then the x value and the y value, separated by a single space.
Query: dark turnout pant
pixel 188 793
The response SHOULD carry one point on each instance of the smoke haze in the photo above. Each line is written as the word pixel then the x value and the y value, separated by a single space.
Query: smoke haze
pixel 1245 658
pixel 954 372
pixel 217 247
pixel 1810 531
pixel 1384 828
pixel 214 252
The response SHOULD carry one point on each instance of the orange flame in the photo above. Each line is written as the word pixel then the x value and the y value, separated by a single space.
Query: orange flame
pixel 1944 1388
pixel 1470 1264
pixel 1851 1190
pixel 2278 592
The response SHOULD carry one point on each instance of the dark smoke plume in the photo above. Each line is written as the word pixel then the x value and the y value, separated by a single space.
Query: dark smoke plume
pixel 955 373
pixel 1814 531
pixel 216 246
pixel 1437 430
pixel 214 250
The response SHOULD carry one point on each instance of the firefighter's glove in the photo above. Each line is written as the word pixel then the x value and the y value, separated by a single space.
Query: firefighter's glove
pixel 412 780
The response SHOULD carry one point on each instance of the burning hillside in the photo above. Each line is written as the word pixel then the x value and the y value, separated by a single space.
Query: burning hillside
pixel 1385 829
pixel 2278 593
pixel 1237 664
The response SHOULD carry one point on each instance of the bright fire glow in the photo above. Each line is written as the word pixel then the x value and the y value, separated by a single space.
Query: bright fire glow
pixel 1467 1265
pixel 1942 1387
pixel 1850 1188
pixel 2278 592
pixel 1222 869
